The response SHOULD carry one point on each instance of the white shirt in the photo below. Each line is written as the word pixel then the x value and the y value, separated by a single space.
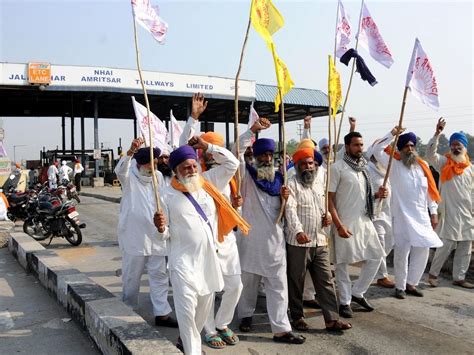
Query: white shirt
pixel 410 201
pixel 455 209
pixel 191 242
pixel 78 168
pixel 137 234
pixel 52 172
pixel 304 211
pixel 64 172
pixel 350 188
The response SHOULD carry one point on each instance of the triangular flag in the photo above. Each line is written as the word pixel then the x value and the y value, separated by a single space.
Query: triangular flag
pixel 421 79
pixel 160 133
pixel 175 131
pixel 334 88
pixel 343 31
pixel 371 39
pixel 148 18
pixel 266 19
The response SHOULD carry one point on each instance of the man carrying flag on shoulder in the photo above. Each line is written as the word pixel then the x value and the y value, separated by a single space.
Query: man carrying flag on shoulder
pixel 455 210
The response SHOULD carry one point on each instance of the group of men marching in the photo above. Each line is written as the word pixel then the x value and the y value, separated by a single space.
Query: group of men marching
pixel 215 232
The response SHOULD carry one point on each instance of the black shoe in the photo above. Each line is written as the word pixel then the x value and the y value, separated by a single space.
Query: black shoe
pixel 362 301
pixel 400 294
pixel 345 311
pixel 246 324
pixel 414 292
pixel 168 322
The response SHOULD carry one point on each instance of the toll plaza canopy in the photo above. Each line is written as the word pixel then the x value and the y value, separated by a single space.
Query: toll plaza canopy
pixel 77 91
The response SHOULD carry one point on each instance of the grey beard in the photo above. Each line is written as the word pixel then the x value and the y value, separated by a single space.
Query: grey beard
pixel 265 172
pixel 306 177
pixel 409 159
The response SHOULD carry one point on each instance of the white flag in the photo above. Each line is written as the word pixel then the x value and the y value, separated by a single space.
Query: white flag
pixel 175 131
pixel 147 17
pixel 343 31
pixel 160 133
pixel 370 38
pixel 421 79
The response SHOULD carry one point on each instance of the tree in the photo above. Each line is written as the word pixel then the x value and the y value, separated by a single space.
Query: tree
pixel 291 146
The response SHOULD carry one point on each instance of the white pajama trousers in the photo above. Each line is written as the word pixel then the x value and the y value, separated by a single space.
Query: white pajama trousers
pixel 192 311
pixel 276 291
pixel 230 298
pixel 344 283
pixel 462 258
pixel 412 272
pixel 383 272
pixel 133 267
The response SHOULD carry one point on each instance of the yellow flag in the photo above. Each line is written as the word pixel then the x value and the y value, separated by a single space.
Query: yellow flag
pixel 284 81
pixel 266 19
pixel 334 88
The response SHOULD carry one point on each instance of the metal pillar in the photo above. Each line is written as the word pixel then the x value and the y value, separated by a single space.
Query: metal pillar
pixel 63 133
pixel 83 141
pixel 96 132
pixel 72 134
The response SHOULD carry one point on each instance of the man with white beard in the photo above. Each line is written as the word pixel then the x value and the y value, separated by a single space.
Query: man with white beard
pixel 137 235
pixel 414 192
pixel 195 219
pixel 455 226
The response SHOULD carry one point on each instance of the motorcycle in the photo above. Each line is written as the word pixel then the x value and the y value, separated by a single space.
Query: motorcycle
pixel 71 192
pixel 18 202
pixel 53 218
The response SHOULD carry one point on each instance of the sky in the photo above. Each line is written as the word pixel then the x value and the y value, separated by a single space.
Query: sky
pixel 205 38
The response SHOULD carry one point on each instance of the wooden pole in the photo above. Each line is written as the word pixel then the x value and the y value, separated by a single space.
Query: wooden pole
pixel 283 134
pixel 394 144
pixel 236 104
pixel 328 170
pixel 335 33
pixel 350 80
pixel 152 158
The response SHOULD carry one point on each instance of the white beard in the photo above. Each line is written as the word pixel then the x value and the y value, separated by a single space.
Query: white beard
pixel 460 158
pixel 192 183
pixel 145 171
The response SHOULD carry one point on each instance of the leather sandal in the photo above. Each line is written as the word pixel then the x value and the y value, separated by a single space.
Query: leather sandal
pixel 339 326
pixel 301 325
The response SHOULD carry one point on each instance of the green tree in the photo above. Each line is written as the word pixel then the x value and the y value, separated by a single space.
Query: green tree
pixel 291 146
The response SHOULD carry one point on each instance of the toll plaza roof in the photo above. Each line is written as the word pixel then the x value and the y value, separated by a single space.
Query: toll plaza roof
pixel 73 90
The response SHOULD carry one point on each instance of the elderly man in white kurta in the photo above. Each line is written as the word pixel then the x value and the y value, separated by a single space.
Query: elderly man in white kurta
pixel 383 218
pixel 262 253
pixel 197 216
pixel 137 235
pixel 414 193
pixel 455 226
pixel 351 203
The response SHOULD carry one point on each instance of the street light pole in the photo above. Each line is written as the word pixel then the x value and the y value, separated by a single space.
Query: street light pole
pixel 14 150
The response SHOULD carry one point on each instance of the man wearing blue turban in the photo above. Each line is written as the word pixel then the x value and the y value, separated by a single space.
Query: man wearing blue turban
pixel 455 226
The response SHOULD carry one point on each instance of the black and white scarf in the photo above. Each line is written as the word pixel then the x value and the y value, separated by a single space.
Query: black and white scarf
pixel 361 166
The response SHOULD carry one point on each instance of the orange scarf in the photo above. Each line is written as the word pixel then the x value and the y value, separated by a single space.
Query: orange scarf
pixel 227 216
pixel 432 189
pixel 232 182
pixel 451 168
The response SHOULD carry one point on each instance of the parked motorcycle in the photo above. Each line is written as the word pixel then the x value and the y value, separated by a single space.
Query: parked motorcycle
pixel 53 218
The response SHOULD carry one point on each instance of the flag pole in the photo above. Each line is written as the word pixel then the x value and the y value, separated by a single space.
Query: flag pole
pixel 236 103
pixel 283 138
pixel 394 144
pixel 350 79
pixel 335 36
pixel 328 169
pixel 152 158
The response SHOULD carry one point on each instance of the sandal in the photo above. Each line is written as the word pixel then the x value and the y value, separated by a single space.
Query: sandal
pixel 338 326
pixel 289 338
pixel 228 336
pixel 214 338
pixel 300 325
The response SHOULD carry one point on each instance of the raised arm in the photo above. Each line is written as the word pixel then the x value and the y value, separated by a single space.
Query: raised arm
pixel 123 166
pixel 198 106
pixel 307 127
pixel 435 159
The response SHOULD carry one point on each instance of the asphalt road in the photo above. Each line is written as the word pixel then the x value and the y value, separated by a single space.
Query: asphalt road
pixel 439 323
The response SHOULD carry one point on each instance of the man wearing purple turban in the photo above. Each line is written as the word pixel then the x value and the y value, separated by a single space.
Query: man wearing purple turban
pixel 137 235
pixel 414 192
pixel 455 226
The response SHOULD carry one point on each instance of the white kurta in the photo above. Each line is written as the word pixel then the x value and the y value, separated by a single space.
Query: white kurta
pixel 455 209
pixel 192 244
pixel 410 201
pixel 64 172
pixel 52 173
pixel 350 190
pixel 137 235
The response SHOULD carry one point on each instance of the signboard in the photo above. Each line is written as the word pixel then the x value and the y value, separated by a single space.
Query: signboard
pixel 39 73
pixel 62 77
pixel 5 166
